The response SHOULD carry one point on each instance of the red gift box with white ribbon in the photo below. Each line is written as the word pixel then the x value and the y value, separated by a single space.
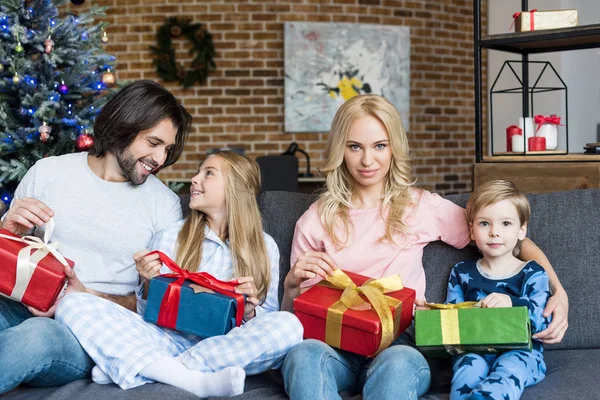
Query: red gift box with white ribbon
pixel 32 271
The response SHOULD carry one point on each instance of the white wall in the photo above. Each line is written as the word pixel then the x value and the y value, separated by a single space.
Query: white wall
pixel 578 69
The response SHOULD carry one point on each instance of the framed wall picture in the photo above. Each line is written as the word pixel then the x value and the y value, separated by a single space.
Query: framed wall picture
pixel 329 63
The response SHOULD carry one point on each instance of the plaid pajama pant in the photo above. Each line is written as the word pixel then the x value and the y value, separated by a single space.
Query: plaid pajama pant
pixel 121 343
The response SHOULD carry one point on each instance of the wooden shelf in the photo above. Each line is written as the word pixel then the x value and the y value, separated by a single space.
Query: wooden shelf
pixel 571 157
pixel 573 38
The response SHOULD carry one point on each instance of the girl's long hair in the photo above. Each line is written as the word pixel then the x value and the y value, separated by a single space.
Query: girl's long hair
pixel 336 201
pixel 244 224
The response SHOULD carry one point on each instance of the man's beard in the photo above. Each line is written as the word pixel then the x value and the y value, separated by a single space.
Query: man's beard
pixel 128 168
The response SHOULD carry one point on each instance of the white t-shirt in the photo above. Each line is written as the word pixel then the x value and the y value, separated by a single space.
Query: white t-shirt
pixel 99 224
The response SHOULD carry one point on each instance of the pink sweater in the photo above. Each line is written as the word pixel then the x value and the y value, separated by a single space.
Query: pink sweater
pixel 432 218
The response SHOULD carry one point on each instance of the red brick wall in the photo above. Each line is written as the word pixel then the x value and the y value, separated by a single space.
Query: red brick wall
pixel 242 103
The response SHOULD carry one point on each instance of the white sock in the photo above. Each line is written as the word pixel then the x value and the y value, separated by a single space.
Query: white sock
pixel 228 382
pixel 99 377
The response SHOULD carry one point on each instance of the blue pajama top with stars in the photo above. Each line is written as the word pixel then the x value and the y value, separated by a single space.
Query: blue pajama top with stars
pixel 529 287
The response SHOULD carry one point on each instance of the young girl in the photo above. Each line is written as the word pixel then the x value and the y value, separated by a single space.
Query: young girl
pixel 370 220
pixel 222 236
pixel 497 214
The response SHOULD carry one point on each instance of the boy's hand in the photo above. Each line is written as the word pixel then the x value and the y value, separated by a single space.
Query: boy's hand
pixel 496 300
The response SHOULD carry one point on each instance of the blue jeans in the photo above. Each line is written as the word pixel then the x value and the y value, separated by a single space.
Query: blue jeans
pixel 37 351
pixel 314 370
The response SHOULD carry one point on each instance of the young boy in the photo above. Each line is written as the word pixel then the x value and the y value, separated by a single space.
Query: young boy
pixel 497 213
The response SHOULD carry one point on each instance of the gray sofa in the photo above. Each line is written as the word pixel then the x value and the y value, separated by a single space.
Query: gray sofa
pixel 566 225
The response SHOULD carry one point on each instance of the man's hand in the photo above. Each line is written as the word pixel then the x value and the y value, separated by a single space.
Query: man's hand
pixel 25 214
pixel 558 307
pixel 74 285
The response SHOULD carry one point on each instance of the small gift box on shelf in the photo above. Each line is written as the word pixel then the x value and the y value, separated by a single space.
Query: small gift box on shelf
pixel 535 20
pixel 456 328
pixel 355 313
pixel 193 302
pixel 32 271
pixel 545 90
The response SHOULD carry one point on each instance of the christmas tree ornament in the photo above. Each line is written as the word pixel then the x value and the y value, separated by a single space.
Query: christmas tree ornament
pixel 48 45
pixel 109 78
pixel 44 132
pixel 104 38
pixel 78 2
pixel 84 142
pixel 18 47
pixel 63 88
pixel 1 68
pixel 16 79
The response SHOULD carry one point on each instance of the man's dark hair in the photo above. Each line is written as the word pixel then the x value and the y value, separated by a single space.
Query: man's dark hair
pixel 138 107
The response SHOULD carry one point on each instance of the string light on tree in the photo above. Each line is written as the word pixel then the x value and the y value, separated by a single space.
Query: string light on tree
pixel 1 68
pixel 44 132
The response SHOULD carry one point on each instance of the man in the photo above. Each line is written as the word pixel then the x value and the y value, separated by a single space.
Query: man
pixel 106 206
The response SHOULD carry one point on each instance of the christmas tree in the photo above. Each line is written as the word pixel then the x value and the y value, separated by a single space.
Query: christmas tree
pixel 54 77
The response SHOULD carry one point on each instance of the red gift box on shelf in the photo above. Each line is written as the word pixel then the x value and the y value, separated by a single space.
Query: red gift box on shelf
pixel 32 271
pixel 356 313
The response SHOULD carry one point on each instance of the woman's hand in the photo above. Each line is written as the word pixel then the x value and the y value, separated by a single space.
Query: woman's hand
pixel 496 300
pixel 308 266
pixel 247 287
pixel 148 266
pixel 558 307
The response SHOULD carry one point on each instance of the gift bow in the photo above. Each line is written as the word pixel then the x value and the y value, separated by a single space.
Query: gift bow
pixel 549 119
pixel 373 290
pixel 531 24
pixel 449 319
pixel 27 262
pixel 169 307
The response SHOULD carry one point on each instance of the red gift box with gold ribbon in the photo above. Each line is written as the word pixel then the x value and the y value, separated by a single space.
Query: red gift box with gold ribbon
pixel 355 313
pixel 32 271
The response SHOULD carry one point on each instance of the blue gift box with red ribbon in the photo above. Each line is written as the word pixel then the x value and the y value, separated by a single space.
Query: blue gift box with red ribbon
pixel 193 302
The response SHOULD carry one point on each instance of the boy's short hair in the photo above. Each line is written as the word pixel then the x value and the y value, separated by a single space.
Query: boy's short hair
pixel 493 192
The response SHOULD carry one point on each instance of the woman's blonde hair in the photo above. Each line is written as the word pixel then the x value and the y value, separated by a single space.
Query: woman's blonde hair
pixel 244 224
pixel 336 201
pixel 493 192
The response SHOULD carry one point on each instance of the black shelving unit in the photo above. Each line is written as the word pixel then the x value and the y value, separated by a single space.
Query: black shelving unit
pixel 525 43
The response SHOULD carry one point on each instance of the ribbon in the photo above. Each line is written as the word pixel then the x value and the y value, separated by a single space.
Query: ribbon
pixel 531 20
pixel 449 319
pixel 27 262
pixel 169 307
pixel 373 290
pixel 549 119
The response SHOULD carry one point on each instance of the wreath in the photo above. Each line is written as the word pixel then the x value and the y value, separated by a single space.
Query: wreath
pixel 167 66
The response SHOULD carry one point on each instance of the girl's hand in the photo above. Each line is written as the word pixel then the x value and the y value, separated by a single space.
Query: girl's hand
pixel 246 286
pixel 147 266
pixel 308 266
pixel 496 300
